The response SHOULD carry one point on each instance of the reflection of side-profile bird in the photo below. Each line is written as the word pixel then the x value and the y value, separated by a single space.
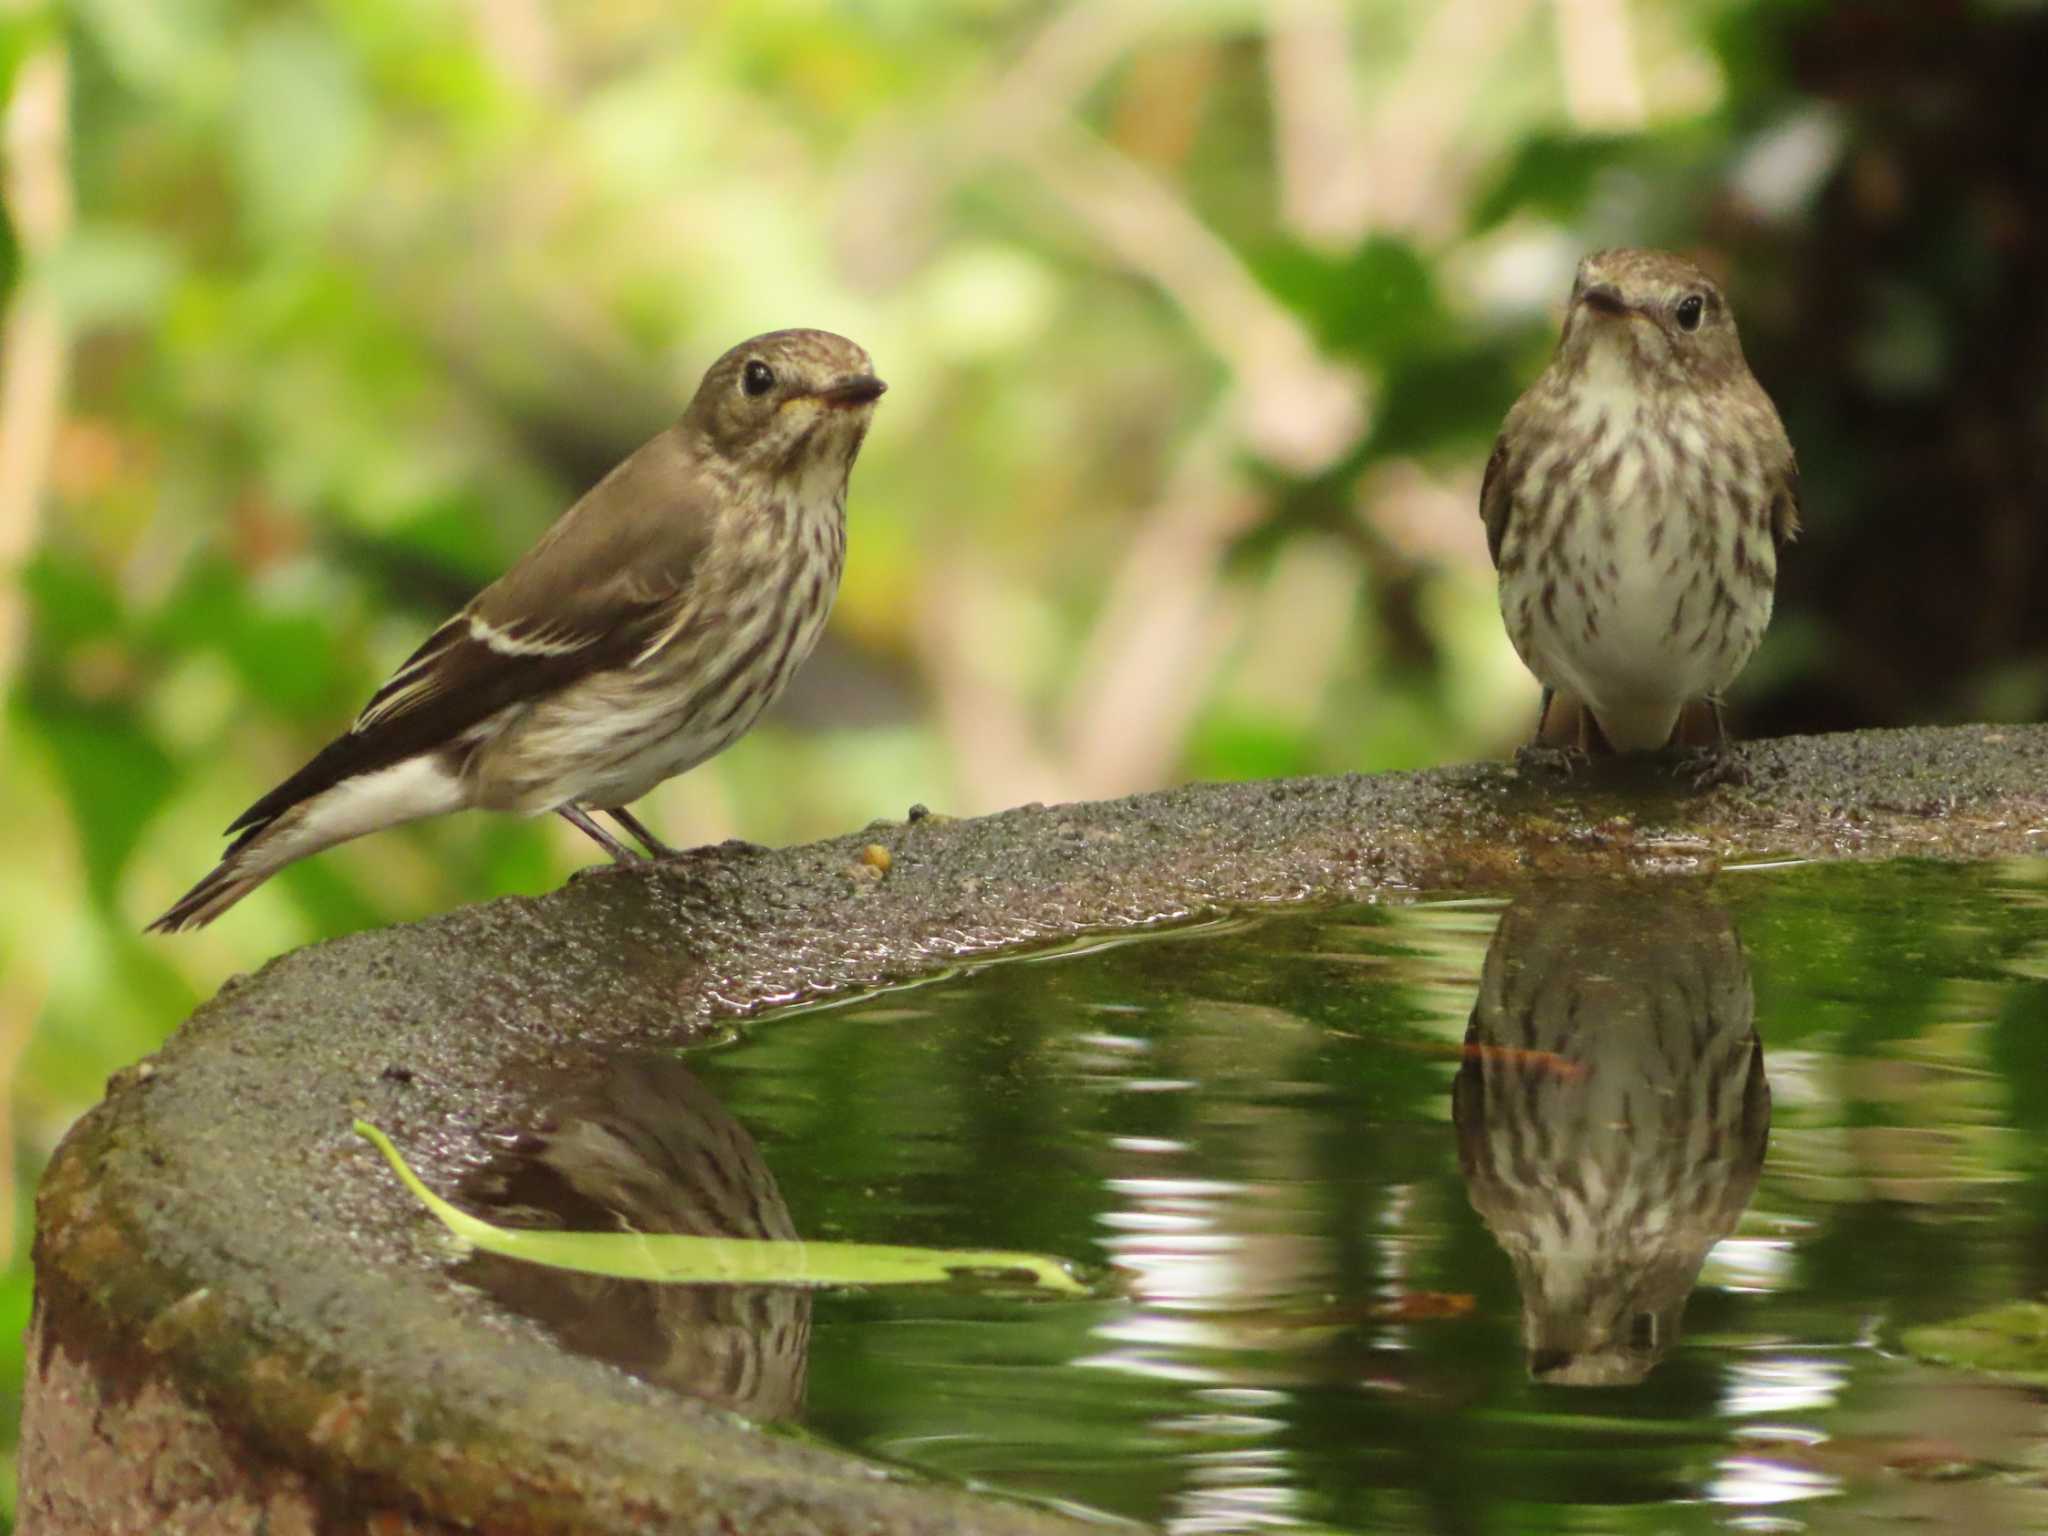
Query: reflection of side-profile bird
pixel 648 1149
pixel 1635 504
pixel 644 633
pixel 1612 1113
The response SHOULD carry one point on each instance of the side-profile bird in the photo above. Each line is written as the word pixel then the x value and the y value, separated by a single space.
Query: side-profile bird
pixel 1635 506
pixel 644 632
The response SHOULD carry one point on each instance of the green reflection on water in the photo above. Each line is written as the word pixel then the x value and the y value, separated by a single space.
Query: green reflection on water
pixel 1326 1327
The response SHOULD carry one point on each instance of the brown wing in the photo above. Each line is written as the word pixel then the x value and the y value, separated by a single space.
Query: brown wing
pixel 1785 504
pixel 1496 498
pixel 603 588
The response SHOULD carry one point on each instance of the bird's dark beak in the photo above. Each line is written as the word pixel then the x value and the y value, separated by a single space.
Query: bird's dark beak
pixel 859 390
pixel 1603 299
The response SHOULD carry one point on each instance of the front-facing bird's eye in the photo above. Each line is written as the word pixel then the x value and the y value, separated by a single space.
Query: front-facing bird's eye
pixel 1690 308
pixel 757 378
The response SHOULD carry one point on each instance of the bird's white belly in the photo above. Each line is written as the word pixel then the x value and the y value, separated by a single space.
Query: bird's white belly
pixel 1636 622
pixel 618 737
pixel 674 745
pixel 608 740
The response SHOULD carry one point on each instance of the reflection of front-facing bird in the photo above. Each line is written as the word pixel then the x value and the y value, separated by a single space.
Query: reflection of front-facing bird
pixel 646 631
pixel 1612 1115
pixel 1635 504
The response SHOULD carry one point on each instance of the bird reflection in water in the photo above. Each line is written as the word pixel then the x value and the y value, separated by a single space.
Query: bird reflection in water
pixel 646 1148
pixel 1612 1113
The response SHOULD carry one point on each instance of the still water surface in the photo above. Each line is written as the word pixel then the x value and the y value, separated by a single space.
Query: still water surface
pixel 1588 1208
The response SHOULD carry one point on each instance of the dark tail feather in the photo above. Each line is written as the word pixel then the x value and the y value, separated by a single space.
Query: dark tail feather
pixel 227 883
pixel 404 791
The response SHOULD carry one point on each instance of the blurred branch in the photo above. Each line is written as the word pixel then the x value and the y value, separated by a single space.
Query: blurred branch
pixel 1165 96
pixel 34 139
pixel 36 182
pixel 1411 140
pixel 1295 408
pixel 1166 620
pixel 1603 89
pixel 888 216
pixel 1056 68
pixel 1318 123
pixel 1163 626
pixel 1417 517
pixel 987 724
pixel 518 37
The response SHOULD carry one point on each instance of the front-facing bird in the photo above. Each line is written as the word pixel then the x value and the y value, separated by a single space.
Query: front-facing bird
pixel 646 631
pixel 1635 505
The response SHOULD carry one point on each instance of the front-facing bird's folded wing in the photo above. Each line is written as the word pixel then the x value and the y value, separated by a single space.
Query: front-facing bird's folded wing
pixel 1496 497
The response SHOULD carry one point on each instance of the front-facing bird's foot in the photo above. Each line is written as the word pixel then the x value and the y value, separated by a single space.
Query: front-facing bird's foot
pixel 1710 767
pixel 1565 761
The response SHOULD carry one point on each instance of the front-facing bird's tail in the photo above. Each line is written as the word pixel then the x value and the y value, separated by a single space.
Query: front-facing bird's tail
pixel 281 831
pixel 1567 721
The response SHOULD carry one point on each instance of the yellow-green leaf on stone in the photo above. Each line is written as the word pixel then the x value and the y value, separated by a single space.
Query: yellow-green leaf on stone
pixel 675 1259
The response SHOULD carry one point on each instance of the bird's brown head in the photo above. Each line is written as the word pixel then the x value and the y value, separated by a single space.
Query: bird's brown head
pixel 786 403
pixel 1652 317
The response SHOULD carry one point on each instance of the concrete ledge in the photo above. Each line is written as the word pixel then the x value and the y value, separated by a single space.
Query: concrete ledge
pixel 242 1324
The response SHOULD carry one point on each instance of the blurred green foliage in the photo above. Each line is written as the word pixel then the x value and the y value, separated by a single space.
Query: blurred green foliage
pixel 1198 316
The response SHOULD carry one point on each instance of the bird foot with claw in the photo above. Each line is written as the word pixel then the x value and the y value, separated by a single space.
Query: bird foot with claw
pixel 1711 768
pixel 1567 761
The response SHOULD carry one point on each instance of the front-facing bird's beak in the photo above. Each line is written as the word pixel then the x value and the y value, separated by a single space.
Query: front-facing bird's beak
pixel 1603 299
pixel 858 390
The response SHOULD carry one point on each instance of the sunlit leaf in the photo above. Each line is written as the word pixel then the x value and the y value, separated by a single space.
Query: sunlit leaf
pixel 675 1259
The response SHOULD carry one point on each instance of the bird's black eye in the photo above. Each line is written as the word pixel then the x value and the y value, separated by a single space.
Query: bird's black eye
pixel 1690 308
pixel 757 378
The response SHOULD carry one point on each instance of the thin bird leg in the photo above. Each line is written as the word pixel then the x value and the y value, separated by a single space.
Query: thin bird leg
pixel 579 818
pixel 1540 755
pixel 648 840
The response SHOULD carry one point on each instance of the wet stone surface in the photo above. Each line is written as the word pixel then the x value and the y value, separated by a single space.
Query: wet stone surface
pixel 215 1224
